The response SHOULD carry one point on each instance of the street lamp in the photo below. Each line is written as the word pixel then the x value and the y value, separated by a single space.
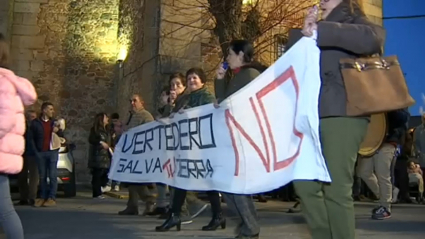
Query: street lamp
pixel 122 55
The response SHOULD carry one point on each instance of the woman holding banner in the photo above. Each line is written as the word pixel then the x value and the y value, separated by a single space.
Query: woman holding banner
pixel 198 95
pixel 344 32
pixel 177 85
pixel 240 61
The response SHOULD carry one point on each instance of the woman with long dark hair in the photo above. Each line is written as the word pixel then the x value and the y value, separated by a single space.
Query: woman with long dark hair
pixel 240 58
pixel 344 32
pixel 198 95
pixel 15 92
pixel 100 157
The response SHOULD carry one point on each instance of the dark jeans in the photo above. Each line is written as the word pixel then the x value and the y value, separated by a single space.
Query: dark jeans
pixel 180 196
pixel 47 167
pixel 9 219
pixel 99 179
pixel 357 186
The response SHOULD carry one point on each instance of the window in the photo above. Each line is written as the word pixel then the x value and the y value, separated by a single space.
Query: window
pixel 280 41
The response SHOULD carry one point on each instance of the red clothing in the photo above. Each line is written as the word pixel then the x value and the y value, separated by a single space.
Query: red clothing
pixel 47 134
pixel 236 71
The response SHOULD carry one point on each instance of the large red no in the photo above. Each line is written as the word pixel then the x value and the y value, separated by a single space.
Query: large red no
pixel 231 122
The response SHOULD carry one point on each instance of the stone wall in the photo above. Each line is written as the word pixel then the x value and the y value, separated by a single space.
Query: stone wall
pixel 131 39
pixel 139 27
pixel 68 49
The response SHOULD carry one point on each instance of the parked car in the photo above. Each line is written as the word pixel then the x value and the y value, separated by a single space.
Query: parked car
pixel 66 172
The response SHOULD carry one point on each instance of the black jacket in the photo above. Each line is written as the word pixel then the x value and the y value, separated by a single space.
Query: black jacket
pixel 397 125
pixel 29 143
pixel 98 156
pixel 37 132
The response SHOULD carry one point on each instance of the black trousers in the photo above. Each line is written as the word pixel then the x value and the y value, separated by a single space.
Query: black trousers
pixel 180 196
pixel 402 178
pixel 99 179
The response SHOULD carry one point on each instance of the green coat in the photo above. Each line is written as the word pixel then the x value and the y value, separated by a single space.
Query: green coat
pixel 194 99
pixel 224 88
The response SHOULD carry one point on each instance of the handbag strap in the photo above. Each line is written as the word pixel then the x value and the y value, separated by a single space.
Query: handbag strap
pixel 380 63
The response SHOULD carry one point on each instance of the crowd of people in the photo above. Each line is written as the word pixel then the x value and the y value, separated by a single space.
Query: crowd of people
pixel 343 32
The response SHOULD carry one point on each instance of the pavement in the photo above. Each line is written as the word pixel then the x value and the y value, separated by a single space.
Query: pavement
pixel 83 217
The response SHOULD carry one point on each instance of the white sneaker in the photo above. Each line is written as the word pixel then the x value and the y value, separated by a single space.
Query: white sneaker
pixel 99 197
pixel 200 210
pixel 106 189
pixel 395 195
pixel 185 222
pixel 116 188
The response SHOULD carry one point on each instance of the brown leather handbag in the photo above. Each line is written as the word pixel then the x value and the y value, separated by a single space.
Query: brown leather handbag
pixel 374 85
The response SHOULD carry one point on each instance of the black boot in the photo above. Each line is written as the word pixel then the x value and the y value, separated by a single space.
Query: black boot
pixel 217 221
pixel 173 221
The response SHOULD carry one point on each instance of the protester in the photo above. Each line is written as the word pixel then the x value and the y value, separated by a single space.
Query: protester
pixel 28 178
pixel 15 92
pixel 240 60
pixel 47 158
pixel 177 90
pixel 419 144
pixel 178 93
pixel 344 32
pixel 162 204
pixel 164 100
pixel 138 116
pixel 115 131
pixel 400 172
pixel 198 96
pixel 100 156
pixel 376 171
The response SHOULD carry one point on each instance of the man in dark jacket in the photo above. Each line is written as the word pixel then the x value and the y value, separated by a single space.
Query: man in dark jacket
pixel 28 186
pixel 42 129
pixel 376 171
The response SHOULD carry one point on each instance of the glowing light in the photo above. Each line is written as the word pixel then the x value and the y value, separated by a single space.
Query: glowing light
pixel 122 54
pixel 248 2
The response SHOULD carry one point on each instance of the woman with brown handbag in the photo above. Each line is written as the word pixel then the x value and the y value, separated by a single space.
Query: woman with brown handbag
pixel 344 32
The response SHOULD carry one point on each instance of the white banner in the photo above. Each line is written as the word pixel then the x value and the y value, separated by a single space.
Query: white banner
pixel 261 138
